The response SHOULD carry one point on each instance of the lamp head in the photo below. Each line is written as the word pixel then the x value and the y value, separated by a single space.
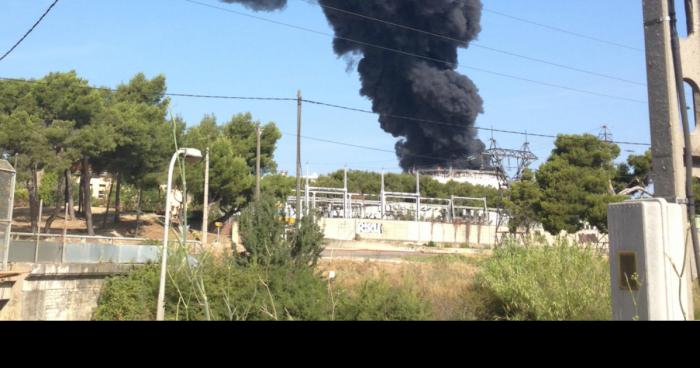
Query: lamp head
pixel 191 154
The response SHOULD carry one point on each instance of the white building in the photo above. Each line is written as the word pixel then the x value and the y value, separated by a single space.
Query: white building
pixel 99 186
pixel 474 177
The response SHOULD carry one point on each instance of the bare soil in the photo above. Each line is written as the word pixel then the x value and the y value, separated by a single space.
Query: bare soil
pixel 151 226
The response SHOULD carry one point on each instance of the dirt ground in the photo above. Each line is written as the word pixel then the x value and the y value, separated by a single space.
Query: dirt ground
pixel 151 224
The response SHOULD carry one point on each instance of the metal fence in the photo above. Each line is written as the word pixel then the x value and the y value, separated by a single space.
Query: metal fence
pixel 82 249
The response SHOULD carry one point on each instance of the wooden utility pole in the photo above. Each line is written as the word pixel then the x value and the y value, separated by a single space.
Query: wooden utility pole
pixel 205 210
pixel 257 166
pixel 298 208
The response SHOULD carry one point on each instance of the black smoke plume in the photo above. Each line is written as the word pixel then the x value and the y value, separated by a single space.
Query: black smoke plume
pixel 258 5
pixel 403 85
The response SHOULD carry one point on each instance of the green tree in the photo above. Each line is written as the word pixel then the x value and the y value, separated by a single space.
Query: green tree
pixel 277 186
pixel 143 136
pixel 232 152
pixel 636 171
pixel 89 133
pixel 23 135
pixel 522 202
pixel 576 183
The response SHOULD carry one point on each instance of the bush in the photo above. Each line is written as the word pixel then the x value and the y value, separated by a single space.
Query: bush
pixel 268 241
pixel 47 189
pixel 224 289
pixel 21 196
pixel 550 282
pixel 376 300
pixel 131 297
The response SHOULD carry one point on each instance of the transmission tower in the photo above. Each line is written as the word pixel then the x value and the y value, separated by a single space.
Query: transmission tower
pixel 509 163
pixel 605 134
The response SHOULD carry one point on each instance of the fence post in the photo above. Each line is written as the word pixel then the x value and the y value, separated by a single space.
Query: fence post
pixel 38 232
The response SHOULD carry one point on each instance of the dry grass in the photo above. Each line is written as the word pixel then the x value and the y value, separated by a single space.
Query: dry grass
pixel 445 282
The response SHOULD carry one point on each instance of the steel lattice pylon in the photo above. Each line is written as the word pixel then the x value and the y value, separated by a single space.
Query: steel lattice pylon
pixel 501 159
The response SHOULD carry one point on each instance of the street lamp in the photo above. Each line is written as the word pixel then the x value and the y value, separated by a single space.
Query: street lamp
pixel 191 155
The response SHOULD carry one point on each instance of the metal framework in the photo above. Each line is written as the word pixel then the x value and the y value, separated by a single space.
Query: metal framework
pixel 502 160
pixel 341 203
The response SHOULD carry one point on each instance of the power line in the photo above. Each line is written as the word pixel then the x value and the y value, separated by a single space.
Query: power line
pixel 527 134
pixel 320 103
pixel 561 30
pixel 323 140
pixel 29 31
pixel 170 94
pixel 476 44
pixel 406 53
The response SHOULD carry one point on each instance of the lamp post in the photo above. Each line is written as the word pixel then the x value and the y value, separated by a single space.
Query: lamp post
pixel 190 154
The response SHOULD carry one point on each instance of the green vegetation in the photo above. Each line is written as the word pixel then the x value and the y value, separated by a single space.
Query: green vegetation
pixel 269 242
pixel 232 150
pixel 534 282
pixel 377 300
pixel 576 184
pixel 59 126
pixel 548 282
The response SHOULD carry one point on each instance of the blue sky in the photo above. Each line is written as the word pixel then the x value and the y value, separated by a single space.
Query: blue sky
pixel 205 51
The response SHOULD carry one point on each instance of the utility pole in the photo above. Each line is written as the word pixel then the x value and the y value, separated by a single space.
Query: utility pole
pixel 650 267
pixel 298 208
pixel 257 166
pixel 666 75
pixel 205 211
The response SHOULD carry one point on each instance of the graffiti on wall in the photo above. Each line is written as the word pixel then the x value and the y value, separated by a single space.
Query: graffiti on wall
pixel 369 228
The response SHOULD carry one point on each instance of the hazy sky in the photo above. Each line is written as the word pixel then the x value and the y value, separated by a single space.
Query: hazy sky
pixel 206 51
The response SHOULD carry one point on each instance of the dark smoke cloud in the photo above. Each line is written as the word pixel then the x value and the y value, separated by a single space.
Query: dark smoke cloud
pixel 258 5
pixel 402 85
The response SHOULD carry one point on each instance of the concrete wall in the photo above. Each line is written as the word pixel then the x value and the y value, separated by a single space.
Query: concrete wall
pixel 409 231
pixel 50 292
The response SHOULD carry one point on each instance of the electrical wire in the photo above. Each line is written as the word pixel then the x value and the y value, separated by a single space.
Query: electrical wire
pixel 336 106
pixel 29 31
pixel 170 94
pixel 423 57
pixel 561 30
pixel 475 44
pixel 527 134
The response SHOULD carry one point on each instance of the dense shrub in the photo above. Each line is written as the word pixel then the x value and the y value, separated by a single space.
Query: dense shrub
pixel 130 297
pixel 550 282
pixel 253 292
pixel 232 292
pixel 376 300
pixel 268 241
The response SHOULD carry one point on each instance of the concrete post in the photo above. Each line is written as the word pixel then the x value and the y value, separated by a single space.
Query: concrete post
pixel 38 232
pixel 345 193
pixel 668 145
pixel 306 190
pixel 205 202
pixel 382 200
pixel 417 195
pixel 666 134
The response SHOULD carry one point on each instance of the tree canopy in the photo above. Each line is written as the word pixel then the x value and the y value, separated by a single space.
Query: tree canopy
pixel 576 184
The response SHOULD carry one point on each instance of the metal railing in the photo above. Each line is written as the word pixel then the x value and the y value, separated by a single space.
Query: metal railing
pixel 84 248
